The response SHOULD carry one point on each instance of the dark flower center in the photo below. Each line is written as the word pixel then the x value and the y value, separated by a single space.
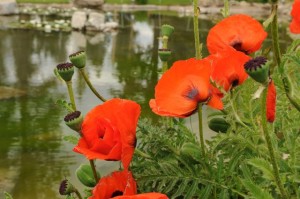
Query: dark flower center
pixel 192 94
pixel 72 116
pixel 238 46
pixel 255 63
pixel 117 193
pixel 64 66
pixel 234 83
pixel 63 187
pixel 77 53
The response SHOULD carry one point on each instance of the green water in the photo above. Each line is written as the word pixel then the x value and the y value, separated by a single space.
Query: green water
pixel 33 156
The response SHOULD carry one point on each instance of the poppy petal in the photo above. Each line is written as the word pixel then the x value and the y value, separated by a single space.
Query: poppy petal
pixel 239 31
pixel 182 87
pixel 271 102
pixel 118 183
pixel 152 195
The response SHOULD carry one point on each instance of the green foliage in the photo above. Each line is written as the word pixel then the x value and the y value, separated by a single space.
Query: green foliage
pixel 7 196
pixel 71 139
pixel 66 105
pixel 142 2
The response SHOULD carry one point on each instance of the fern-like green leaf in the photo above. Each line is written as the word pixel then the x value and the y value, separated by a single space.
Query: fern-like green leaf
pixel 7 196
pixel 71 139
pixel 263 166
pixel 256 191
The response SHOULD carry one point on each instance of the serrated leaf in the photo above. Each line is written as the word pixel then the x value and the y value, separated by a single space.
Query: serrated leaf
pixel 64 104
pixel 71 139
pixel 256 191
pixel 264 166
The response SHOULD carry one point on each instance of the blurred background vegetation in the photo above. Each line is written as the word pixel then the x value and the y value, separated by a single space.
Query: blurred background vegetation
pixel 154 2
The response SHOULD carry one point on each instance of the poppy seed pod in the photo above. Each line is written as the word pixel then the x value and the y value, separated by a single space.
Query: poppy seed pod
pixel 65 71
pixel 85 175
pixel 66 188
pixel 78 59
pixel 167 30
pixel 74 120
pixel 164 54
pixel 258 69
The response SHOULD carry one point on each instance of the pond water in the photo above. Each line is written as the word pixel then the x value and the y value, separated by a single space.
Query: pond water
pixel 34 158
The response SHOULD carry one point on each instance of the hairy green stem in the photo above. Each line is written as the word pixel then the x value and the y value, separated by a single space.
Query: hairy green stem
pixel 270 146
pixel 78 194
pixel 92 163
pixel 196 30
pixel 201 129
pixel 165 42
pixel 83 73
pixel 71 94
pixel 277 56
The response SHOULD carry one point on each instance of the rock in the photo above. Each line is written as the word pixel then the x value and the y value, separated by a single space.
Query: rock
pixel 95 22
pixel 109 26
pixel 78 20
pixel 89 3
pixel 8 7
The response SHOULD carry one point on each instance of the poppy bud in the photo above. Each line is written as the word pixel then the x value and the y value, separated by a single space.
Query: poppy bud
pixel 164 54
pixel 271 102
pixel 74 120
pixel 85 175
pixel 191 150
pixel 66 71
pixel 218 125
pixel 78 59
pixel 258 69
pixel 167 30
pixel 66 188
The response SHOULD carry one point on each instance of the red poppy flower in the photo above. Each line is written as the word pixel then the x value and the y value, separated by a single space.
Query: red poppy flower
pixel 144 196
pixel 295 13
pixel 183 87
pixel 271 102
pixel 119 183
pixel 108 131
pixel 240 31
pixel 228 68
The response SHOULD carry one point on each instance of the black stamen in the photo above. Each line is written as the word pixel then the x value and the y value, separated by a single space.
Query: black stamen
pixel 117 193
pixel 255 63
pixel 72 116
pixel 238 46
pixel 63 187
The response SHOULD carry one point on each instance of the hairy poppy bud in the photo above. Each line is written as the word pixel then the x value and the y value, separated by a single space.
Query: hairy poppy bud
pixel 85 175
pixel 167 30
pixel 78 59
pixel 74 120
pixel 164 54
pixel 218 125
pixel 191 150
pixel 66 188
pixel 271 102
pixel 65 71
pixel 258 69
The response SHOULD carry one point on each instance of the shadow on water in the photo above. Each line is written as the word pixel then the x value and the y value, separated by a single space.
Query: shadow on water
pixel 33 156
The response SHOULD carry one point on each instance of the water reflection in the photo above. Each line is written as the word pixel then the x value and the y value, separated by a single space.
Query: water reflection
pixel 33 156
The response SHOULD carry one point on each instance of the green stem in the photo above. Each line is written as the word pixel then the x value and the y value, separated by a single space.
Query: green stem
pixel 92 163
pixel 277 56
pixel 270 146
pixel 71 94
pixel 201 129
pixel 275 38
pixel 142 154
pixel 78 194
pixel 196 30
pixel 82 71
pixel 165 67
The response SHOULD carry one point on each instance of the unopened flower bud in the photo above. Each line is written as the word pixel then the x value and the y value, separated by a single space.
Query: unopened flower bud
pixel 74 120
pixel 66 71
pixel 85 175
pixel 164 54
pixel 78 59
pixel 258 69
pixel 66 188
pixel 167 30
